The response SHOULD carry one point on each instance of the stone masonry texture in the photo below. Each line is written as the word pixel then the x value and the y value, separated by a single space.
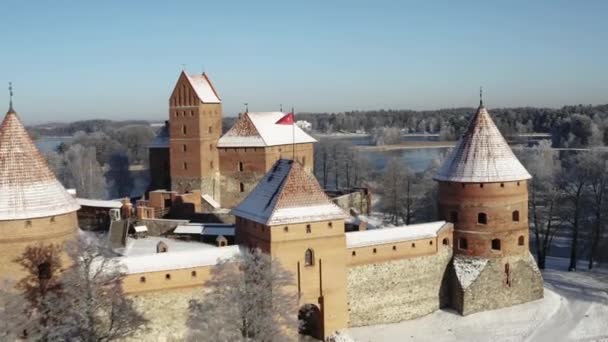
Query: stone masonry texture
pixel 495 288
pixel 398 290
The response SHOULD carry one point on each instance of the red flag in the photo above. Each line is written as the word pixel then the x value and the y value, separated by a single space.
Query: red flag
pixel 286 120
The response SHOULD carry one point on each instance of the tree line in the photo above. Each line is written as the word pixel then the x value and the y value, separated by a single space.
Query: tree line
pixel 569 126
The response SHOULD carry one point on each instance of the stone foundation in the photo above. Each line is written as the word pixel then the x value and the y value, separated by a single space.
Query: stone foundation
pixel 398 290
pixel 479 284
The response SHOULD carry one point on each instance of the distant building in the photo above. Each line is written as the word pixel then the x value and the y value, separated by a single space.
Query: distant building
pixel 188 154
pixel 34 206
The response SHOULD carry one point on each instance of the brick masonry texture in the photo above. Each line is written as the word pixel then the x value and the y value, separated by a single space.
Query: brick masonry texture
pixel 491 290
pixel 398 290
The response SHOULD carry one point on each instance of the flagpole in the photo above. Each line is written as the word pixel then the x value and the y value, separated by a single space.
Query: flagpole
pixel 293 133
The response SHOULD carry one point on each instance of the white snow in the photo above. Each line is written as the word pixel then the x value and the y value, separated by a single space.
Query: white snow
pixel 270 134
pixel 211 201
pixel 203 88
pixel 140 229
pixel 86 202
pixel 321 212
pixel 177 260
pixel 396 234
pixel 189 229
pixel 147 245
pixel 574 308
pixel 225 230
pixel 41 199
pixel 482 155
pixel 468 269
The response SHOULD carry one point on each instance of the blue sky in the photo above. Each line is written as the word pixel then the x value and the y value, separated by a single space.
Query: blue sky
pixel 73 60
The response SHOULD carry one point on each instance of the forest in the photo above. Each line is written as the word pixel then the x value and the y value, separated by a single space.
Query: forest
pixel 569 126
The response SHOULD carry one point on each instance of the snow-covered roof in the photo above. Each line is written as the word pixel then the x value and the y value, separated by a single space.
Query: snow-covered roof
pixel 203 88
pixel 481 155
pixel 140 229
pixel 259 129
pixel 85 202
pixel 212 202
pixel 394 234
pixel 468 269
pixel 288 194
pixel 28 187
pixel 177 260
pixel 189 229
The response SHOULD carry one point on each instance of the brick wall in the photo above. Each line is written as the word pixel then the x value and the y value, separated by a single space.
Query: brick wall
pixel 18 234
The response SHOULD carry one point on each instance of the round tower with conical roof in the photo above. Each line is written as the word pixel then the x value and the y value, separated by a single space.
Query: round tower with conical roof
pixel 34 207
pixel 483 191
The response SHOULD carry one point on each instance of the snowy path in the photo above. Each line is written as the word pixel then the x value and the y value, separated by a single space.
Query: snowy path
pixel 575 308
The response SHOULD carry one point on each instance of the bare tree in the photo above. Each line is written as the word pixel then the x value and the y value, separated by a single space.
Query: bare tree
pixel 95 308
pixel 594 167
pixel 119 176
pixel 42 264
pixel 545 198
pixel 250 298
pixel 573 183
pixel 83 172
pixel 394 188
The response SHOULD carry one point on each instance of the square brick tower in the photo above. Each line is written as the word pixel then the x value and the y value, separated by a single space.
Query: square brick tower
pixel 195 122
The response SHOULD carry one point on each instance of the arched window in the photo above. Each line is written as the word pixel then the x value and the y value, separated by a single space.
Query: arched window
pixel 496 244
pixel 375 251
pixel 241 166
pixel 482 218
pixel 308 229
pixel 184 129
pixel 521 241
pixel 446 241
pixel 462 243
pixel 309 257
pixel 515 216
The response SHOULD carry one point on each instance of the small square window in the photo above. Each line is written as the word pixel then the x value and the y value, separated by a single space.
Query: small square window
pixel 413 245
pixel 193 273
pixel 375 251
pixel 168 276
pixel 354 253
pixel 394 248
pixel 142 279
pixel 330 224
pixel 286 229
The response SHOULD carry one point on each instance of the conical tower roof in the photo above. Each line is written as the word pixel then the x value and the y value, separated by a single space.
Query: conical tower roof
pixel 482 155
pixel 28 188
pixel 288 194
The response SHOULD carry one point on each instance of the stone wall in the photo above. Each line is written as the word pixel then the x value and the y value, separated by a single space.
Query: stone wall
pixel 398 290
pixel 486 284
pixel 358 199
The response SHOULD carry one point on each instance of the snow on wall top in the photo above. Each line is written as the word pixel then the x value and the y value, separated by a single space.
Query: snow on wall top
pixel 177 260
pixel 389 235
pixel 28 187
pixel 468 269
pixel 203 88
pixel 85 202
pixel 259 129
pixel 288 194
pixel 481 155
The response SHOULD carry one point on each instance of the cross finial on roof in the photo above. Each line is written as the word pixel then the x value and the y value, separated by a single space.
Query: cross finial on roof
pixel 10 94
pixel 480 96
pixel 246 107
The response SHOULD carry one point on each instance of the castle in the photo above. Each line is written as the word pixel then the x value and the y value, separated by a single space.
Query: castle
pixel 475 258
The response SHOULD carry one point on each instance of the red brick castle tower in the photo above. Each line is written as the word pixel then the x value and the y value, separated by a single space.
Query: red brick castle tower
pixel 483 191
pixel 195 124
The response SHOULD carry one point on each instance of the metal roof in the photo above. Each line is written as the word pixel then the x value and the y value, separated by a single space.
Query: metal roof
pixel 482 155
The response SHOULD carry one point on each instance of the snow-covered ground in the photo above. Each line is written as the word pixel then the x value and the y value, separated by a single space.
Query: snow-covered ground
pixel 575 308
